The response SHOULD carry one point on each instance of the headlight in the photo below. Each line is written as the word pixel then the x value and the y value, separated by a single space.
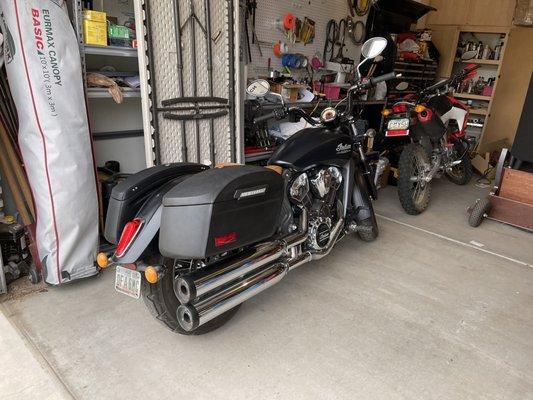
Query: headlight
pixel 299 188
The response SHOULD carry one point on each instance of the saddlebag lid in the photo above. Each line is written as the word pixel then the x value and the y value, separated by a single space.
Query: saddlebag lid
pixel 224 184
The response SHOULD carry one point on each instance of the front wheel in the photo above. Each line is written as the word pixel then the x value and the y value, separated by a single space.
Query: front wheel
pixel 414 192
pixel 163 304
pixel 460 174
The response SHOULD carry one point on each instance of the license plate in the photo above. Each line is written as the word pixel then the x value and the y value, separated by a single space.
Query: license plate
pixel 398 124
pixel 128 282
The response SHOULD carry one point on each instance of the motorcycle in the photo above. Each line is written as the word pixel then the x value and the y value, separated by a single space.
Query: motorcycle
pixel 196 242
pixel 432 124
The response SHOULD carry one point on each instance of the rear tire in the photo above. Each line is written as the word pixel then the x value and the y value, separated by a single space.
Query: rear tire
pixel 461 174
pixel 414 196
pixel 162 303
pixel 479 211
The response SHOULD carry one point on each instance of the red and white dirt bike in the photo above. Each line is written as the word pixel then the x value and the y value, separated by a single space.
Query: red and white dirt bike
pixel 432 124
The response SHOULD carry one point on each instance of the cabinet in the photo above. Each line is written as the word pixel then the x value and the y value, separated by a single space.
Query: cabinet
pixel 445 40
pixel 490 12
pixel 449 12
pixel 472 12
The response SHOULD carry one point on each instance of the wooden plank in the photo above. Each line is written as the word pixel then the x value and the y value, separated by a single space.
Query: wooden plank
pixel 445 39
pixel 517 185
pixel 511 212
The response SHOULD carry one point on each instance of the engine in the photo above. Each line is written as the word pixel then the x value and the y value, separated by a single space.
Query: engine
pixel 317 192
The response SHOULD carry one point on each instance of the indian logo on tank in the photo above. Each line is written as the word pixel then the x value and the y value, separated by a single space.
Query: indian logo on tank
pixel 343 148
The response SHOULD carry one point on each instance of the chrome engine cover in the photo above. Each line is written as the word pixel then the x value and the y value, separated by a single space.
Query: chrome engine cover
pixel 325 180
pixel 319 232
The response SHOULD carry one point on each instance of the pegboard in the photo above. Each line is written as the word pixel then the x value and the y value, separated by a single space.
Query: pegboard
pixel 321 11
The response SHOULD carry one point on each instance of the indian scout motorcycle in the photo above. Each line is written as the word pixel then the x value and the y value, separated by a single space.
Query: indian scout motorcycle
pixel 431 128
pixel 197 242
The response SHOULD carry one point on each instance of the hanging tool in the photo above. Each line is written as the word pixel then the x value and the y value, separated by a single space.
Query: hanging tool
pixel 362 7
pixel 335 37
pixel 341 37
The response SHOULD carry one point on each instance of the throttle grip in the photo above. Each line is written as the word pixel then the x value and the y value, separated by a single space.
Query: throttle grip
pixel 278 114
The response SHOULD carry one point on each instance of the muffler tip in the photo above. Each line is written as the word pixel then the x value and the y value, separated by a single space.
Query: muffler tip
pixel 184 289
pixel 188 317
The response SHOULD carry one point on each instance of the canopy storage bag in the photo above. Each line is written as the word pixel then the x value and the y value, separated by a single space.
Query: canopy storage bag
pixel 44 71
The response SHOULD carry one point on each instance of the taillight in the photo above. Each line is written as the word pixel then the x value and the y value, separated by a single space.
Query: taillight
pixel 399 108
pixel 129 233
pixel 225 239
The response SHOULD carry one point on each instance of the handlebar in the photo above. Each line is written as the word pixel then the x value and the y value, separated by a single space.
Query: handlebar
pixel 281 113
pixel 384 78
pixel 278 114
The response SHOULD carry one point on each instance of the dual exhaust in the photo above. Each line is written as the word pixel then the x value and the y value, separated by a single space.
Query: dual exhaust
pixel 211 292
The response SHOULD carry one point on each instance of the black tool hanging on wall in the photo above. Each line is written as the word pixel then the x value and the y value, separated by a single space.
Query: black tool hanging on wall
pixel 335 40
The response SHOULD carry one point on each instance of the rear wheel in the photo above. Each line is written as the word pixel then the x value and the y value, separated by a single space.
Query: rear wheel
pixel 460 174
pixel 163 304
pixel 414 192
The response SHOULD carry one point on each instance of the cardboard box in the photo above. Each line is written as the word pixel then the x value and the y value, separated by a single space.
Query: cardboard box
pixel 96 16
pixel 95 33
pixel 94 27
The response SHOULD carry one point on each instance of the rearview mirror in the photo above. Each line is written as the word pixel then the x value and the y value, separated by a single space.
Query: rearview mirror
pixel 468 55
pixel 373 47
pixel 258 88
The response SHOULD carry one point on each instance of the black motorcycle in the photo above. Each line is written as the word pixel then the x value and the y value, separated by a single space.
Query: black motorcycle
pixel 197 242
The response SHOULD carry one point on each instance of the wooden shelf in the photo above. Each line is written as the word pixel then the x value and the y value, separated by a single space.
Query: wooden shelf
pixel 471 96
pixel 479 111
pixel 477 61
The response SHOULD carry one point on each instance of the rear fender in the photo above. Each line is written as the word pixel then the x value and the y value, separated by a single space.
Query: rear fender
pixel 150 214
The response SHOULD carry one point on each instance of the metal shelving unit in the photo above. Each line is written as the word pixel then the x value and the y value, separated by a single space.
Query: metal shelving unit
pixel 113 51
pixel 102 93
pixel 92 54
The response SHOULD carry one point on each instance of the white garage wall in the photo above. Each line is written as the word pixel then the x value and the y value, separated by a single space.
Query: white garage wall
pixel 321 11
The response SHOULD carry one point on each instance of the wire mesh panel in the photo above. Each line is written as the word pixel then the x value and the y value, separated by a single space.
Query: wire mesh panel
pixel 191 79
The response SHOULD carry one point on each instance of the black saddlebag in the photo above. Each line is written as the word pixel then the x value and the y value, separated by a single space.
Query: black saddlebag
pixel 220 209
pixel 128 196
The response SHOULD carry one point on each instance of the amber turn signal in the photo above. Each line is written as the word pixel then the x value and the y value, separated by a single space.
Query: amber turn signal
pixel 151 275
pixel 419 108
pixel 102 260
pixel 386 112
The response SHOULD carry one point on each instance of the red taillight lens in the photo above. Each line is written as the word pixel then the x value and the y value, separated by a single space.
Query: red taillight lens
pixel 225 239
pixel 129 232
pixel 399 108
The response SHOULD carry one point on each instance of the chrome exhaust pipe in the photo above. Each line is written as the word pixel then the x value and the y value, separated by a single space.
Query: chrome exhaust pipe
pixel 190 287
pixel 191 316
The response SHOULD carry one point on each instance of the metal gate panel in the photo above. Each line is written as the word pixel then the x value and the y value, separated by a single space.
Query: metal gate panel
pixel 171 75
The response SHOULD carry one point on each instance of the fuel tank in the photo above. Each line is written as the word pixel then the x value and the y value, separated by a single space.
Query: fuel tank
pixel 311 147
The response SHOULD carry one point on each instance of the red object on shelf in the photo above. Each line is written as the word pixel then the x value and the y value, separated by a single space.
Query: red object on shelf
pixel 331 90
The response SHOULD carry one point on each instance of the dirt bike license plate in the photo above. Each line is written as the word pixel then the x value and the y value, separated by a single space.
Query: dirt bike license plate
pixel 398 127
pixel 128 282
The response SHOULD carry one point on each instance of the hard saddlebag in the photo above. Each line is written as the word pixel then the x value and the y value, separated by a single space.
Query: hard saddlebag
pixel 220 209
pixel 129 195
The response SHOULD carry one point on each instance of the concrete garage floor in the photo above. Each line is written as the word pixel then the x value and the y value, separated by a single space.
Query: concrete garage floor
pixel 419 314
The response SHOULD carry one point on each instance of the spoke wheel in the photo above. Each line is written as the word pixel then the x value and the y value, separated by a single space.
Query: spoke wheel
pixel 460 174
pixel 414 192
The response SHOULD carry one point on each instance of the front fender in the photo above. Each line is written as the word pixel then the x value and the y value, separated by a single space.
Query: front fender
pixel 361 200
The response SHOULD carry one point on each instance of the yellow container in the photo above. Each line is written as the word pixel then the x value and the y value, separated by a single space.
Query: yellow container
pixel 95 32
pixel 96 16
